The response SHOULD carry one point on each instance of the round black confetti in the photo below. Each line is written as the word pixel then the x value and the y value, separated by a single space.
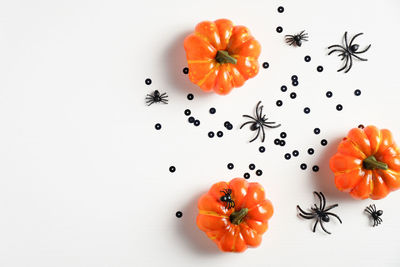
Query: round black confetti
pixel 283 88
pixel 186 70
pixel 246 175
pixel 293 95
pixel 307 110
pixel 294 78
pixel 303 166
pixel 295 83
pixel 357 92
pixel 277 141
pixel 191 119
pixel 265 65
pixel 230 166
pixel 317 131
pixel 196 123
pixel 295 153
pixel 287 156
pixel 229 126
pixel 279 103
pixel 310 151
pixel 157 126
pixel 261 149
pixel 279 29
pixel 320 68
pixel 147 81
pixel 361 126
pixel 172 169
pixel 307 58
pixel 283 135
pixel 315 168
pixel 282 143
pixel 220 133
pixel 329 94
pixel 339 107
pixel 187 112
pixel 281 9
pixel 178 214
pixel 212 110
pixel 190 96
pixel 324 142
pixel 211 134
pixel 252 166
pixel 258 172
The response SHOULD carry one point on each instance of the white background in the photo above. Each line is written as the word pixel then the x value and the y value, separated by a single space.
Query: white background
pixel 84 177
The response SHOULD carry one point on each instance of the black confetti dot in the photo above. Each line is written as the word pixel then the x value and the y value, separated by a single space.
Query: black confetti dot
pixel 279 103
pixel 190 96
pixel 279 29
pixel 283 88
pixel 157 126
pixel 220 134
pixel 212 110
pixel 265 65
pixel 329 94
pixel 361 126
pixel 178 214
pixel 252 166
pixel 317 131
pixel 307 110
pixel 186 70
pixel 282 143
pixel 147 81
pixel 357 92
pixel 229 126
pixel 294 78
pixel 315 168
pixel 283 135
pixel 339 107
pixel 307 58
pixel 191 119
pixel 196 123
pixel 246 175
pixel 324 142
pixel 303 166
pixel 320 68
pixel 187 112
pixel 287 156
pixel 172 169
pixel 277 141
pixel 295 153
pixel 230 166
pixel 261 149
pixel 259 172
pixel 310 151
pixel 295 83
pixel 211 134
pixel 281 9
pixel 293 95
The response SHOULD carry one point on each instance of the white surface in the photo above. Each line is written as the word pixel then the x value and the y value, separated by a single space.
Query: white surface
pixel 84 177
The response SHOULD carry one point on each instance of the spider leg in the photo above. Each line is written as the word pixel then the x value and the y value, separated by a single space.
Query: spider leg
pixel 345 40
pixel 259 116
pixel 245 124
pixel 322 225
pixel 336 50
pixel 351 64
pixel 368 210
pixel 263 134
pixel 354 37
pixel 165 101
pixel 323 200
pixel 338 46
pixel 320 200
pixel 307 217
pixel 289 36
pixel 258 133
pixel 315 225
pixel 306 213
pixel 363 51
pixel 152 102
pixel 334 215
pixel 360 58
pixel 373 207
pixel 273 126
pixel 345 65
pixel 250 117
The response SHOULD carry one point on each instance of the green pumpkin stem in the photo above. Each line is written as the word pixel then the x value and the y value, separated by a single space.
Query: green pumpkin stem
pixel 224 57
pixel 371 163
pixel 238 216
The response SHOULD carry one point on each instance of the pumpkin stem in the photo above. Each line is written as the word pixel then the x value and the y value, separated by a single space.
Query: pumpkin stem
pixel 224 57
pixel 371 163
pixel 238 216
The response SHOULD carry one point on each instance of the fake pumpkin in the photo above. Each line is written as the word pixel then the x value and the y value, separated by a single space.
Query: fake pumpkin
pixel 221 56
pixel 367 164
pixel 234 228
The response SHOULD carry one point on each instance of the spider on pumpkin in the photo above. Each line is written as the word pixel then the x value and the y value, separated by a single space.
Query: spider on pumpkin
pixel 296 39
pixel 156 97
pixel 259 122
pixel 375 214
pixel 320 213
pixel 227 198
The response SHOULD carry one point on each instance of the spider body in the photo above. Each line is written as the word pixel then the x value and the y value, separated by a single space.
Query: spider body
pixel 296 39
pixel 156 97
pixel 320 213
pixel 348 51
pixel 375 214
pixel 258 123
pixel 227 198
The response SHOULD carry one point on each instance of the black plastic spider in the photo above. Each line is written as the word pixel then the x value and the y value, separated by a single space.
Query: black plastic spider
pixel 227 198
pixel 156 97
pixel 348 51
pixel 320 213
pixel 375 214
pixel 259 122
pixel 296 39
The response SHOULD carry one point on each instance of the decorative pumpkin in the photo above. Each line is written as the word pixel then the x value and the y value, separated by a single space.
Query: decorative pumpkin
pixel 367 163
pixel 221 56
pixel 234 215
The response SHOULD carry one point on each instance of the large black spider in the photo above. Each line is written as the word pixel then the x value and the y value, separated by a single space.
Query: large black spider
pixel 227 198
pixel 319 213
pixel 259 122
pixel 348 51
pixel 156 97
pixel 296 39
pixel 375 214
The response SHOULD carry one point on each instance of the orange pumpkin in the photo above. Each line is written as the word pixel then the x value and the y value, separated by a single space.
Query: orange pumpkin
pixel 367 163
pixel 234 228
pixel 221 56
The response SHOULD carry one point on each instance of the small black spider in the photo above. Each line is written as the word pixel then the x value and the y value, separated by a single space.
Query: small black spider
pixel 156 97
pixel 319 213
pixel 375 214
pixel 227 198
pixel 259 122
pixel 348 51
pixel 296 39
